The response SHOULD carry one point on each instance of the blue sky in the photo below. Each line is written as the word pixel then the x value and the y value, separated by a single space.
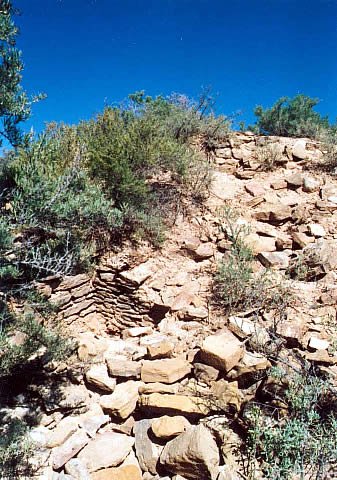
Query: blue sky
pixel 85 53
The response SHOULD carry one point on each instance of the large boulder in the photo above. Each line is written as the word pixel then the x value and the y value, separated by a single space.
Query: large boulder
pixel 122 402
pixel 193 454
pixel 107 449
pixel 97 376
pixel 168 427
pixel 167 370
pixel 61 455
pixel 147 451
pixel 223 351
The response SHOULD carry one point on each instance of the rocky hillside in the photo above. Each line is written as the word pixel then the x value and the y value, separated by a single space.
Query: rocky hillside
pixel 166 372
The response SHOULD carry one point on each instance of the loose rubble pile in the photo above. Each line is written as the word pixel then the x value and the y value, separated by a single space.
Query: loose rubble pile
pixel 164 373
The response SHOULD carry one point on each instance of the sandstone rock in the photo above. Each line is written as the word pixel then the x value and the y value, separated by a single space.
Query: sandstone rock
pixel 259 244
pixel 299 150
pixel 168 427
pixel 227 473
pixel 137 332
pixel 146 450
pixel 66 427
pixel 157 387
pixel 255 189
pixel 226 396
pixel 182 301
pixel 318 343
pixel 295 180
pixel 274 213
pixel 250 363
pixel 243 328
pixel 61 455
pixel 91 423
pixel 122 402
pixel 165 371
pixel 173 404
pixel 195 312
pixel 205 373
pixel 123 368
pixel 137 275
pixel 194 454
pixel 301 240
pixel 292 331
pixel 97 377
pixel 205 250
pixel 107 449
pixel 279 184
pixel 279 260
pixel 160 350
pixel 222 351
pixel 310 184
pixel 316 230
pixel 125 472
pixel 77 469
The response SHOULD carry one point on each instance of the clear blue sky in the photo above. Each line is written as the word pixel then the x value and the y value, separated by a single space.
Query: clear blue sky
pixel 84 53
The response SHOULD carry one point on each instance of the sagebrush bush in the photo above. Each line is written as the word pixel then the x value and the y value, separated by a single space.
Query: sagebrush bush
pixel 302 442
pixel 290 117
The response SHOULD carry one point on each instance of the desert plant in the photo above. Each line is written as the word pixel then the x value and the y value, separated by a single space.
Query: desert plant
pixel 237 286
pixel 268 157
pixel 290 117
pixel 15 105
pixel 301 443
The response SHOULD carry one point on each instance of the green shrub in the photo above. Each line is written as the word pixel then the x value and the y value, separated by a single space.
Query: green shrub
pixel 237 286
pixel 290 117
pixel 304 441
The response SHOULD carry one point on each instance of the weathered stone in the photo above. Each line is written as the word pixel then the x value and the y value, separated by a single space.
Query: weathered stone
pixel 194 454
pixel 249 364
pixel 310 184
pixel 316 230
pixel 174 404
pixel 123 368
pixel 91 423
pixel 222 351
pixel 165 371
pixel 97 377
pixel 182 300
pixel 168 427
pixel 274 213
pixel 295 180
pixel 139 274
pixel 255 189
pixel 66 427
pixel 74 281
pixel 279 184
pixel 299 150
pixel 301 240
pixel 125 472
pixel 205 373
pixel 318 343
pixel 146 450
pixel 137 332
pixel 292 331
pixel 279 260
pixel 122 402
pixel 107 449
pixel 226 396
pixel 76 468
pixel 61 455
pixel 205 250
pixel 160 350
pixel 148 388
pixel 259 244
